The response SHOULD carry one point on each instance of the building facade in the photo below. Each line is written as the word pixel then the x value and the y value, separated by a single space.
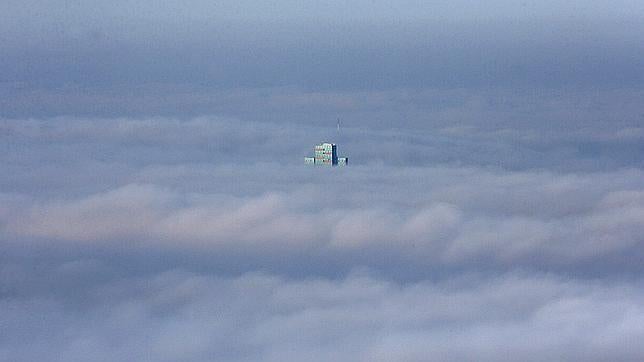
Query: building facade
pixel 326 154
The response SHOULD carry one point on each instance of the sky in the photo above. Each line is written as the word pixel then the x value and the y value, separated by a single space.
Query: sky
pixel 154 204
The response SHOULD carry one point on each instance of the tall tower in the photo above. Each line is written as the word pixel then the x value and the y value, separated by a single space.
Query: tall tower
pixel 326 154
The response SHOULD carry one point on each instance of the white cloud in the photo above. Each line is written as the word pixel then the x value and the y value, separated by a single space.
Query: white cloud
pixel 185 316
pixel 209 239
pixel 505 218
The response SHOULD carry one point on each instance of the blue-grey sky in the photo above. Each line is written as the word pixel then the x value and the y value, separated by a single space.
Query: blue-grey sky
pixel 154 204
pixel 148 52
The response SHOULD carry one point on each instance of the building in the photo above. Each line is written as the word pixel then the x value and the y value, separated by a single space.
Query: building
pixel 326 154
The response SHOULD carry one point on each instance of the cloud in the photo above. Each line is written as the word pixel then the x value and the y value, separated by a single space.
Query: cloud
pixel 147 58
pixel 263 202
pixel 208 239
pixel 178 315
pixel 456 231
pixel 154 204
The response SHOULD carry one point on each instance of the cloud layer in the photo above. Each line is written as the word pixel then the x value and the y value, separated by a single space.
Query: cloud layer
pixel 159 239
pixel 176 315
pixel 154 204
pixel 144 58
